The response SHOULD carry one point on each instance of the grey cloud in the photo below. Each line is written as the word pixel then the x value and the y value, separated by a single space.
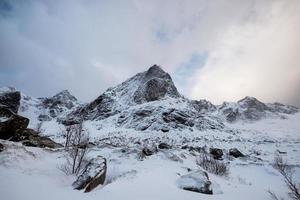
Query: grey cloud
pixel 88 46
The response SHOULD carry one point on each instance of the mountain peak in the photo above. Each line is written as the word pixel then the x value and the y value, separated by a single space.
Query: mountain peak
pixel 156 71
pixel 64 95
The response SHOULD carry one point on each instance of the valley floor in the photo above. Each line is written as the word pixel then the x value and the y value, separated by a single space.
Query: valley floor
pixel 28 173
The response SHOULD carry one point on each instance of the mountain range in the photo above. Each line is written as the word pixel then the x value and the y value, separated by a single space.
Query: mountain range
pixel 147 101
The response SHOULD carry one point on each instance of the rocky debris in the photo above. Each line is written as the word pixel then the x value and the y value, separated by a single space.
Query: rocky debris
pixel 216 153
pixel 43 118
pixel 235 153
pixel 197 181
pixel 203 106
pixel 100 108
pixel 33 139
pixel 178 117
pixel 14 126
pixel 164 146
pixel 93 175
pixel 148 152
pixel 194 149
pixel 1 147
pixel 10 100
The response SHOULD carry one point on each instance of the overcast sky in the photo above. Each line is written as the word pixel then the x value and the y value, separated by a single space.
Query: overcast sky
pixel 216 50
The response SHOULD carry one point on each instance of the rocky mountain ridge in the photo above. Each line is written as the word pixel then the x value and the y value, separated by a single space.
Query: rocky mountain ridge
pixel 147 101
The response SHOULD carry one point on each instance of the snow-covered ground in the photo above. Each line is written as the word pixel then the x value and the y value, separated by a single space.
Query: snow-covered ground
pixel 33 173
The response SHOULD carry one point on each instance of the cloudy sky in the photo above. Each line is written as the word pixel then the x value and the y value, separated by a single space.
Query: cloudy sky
pixel 217 50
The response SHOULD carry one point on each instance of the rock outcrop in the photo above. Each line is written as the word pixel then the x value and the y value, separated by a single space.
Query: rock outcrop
pixel 11 100
pixel 93 175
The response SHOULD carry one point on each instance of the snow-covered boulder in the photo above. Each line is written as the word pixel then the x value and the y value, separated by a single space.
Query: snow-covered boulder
pixel 197 181
pixel 93 175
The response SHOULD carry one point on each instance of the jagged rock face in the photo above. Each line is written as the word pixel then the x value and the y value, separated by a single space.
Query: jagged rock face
pixel 254 109
pixel 58 104
pixel 165 119
pixel 11 100
pixel 281 108
pixel 152 85
pixel 155 85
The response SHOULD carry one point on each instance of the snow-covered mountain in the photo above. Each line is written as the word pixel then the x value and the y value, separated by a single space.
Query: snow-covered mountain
pixel 147 101
pixel 151 137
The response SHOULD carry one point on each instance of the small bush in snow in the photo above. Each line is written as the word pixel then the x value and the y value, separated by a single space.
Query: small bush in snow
pixel 287 172
pixel 211 165
pixel 76 145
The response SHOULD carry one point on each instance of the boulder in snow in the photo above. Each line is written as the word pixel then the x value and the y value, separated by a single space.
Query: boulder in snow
pixel 235 153
pixel 164 146
pixel 216 153
pixel 93 175
pixel 197 181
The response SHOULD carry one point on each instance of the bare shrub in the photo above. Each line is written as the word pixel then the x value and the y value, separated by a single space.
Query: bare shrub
pixel 287 172
pixel 76 145
pixel 211 165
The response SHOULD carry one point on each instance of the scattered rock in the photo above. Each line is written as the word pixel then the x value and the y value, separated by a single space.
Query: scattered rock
pixel 164 146
pixel 33 139
pixel 43 118
pixel 235 153
pixel 93 175
pixel 148 152
pixel 216 153
pixel 197 181
pixel 1 147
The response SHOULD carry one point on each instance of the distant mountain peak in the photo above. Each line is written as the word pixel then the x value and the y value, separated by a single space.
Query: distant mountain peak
pixel 64 95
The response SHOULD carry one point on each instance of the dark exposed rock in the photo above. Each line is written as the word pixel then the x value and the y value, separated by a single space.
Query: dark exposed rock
pixel 155 84
pixel 164 146
pixel 148 152
pixel 32 138
pixel 196 182
pixel 203 106
pixel 93 175
pixel 235 153
pixel 216 153
pixel 231 114
pixel 59 103
pixel 1 147
pixel 10 100
pixel 44 118
pixel 178 117
pixel 13 127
